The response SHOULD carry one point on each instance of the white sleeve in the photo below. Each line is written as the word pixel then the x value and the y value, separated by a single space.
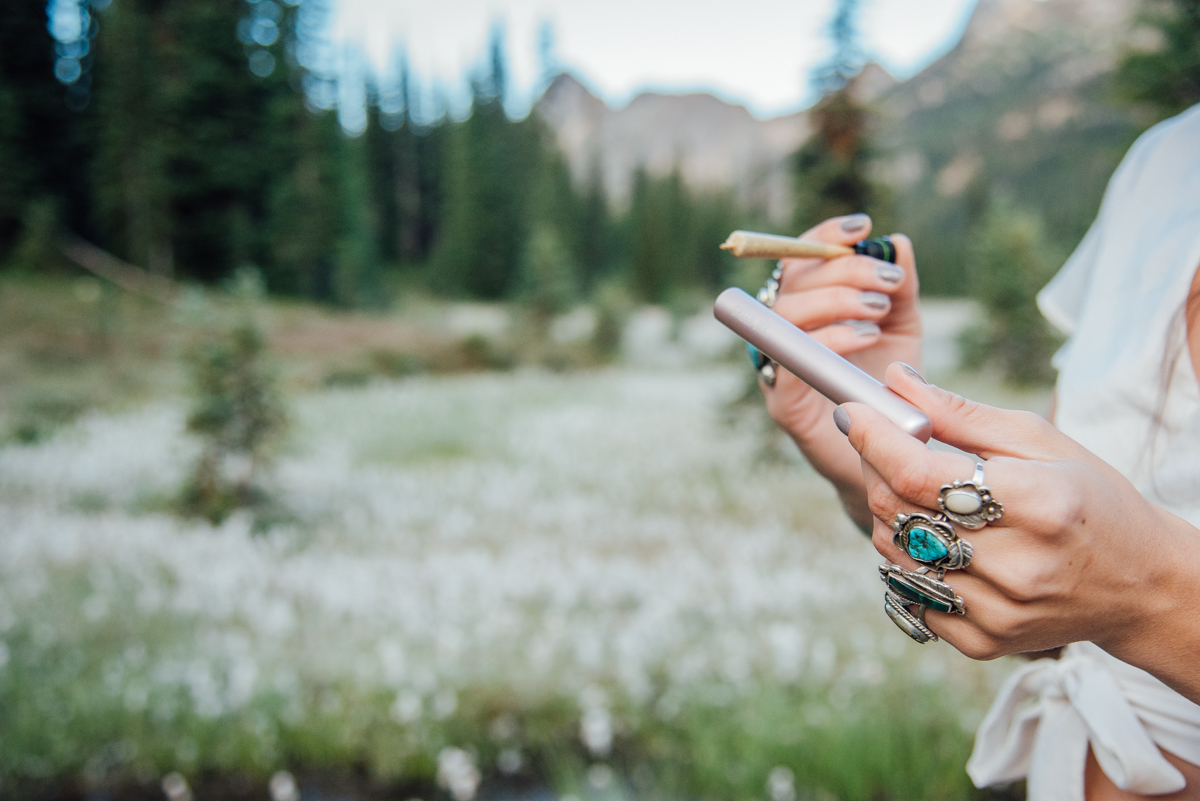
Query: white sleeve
pixel 1061 300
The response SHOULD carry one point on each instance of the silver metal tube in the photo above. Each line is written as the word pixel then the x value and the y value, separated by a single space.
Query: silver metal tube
pixel 813 363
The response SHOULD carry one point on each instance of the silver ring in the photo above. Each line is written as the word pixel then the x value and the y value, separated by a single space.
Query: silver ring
pixel 931 541
pixel 770 290
pixel 970 503
pixel 767 369
pixel 906 621
pixel 922 590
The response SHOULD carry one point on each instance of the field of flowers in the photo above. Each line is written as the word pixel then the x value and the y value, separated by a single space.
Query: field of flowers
pixel 590 583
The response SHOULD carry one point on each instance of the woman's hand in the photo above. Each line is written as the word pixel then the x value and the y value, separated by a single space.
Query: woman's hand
pixel 1079 554
pixel 860 307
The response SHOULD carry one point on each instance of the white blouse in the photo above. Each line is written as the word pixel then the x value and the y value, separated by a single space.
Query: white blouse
pixel 1126 391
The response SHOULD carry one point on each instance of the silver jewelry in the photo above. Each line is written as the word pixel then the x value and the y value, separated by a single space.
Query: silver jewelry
pixel 767 369
pixel 970 503
pixel 931 541
pixel 770 290
pixel 921 589
pixel 910 624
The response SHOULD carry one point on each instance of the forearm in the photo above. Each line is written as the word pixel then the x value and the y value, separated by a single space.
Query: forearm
pixel 830 455
pixel 1164 637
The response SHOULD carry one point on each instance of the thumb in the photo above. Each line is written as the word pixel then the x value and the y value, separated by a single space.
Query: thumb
pixel 972 426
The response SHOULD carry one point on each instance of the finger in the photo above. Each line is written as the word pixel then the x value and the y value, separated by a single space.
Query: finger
pixel 881 538
pixel 906 316
pixel 821 307
pixel 994 625
pixel 861 272
pixel 975 427
pixel 908 469
pixel 845 230
pixel 848 336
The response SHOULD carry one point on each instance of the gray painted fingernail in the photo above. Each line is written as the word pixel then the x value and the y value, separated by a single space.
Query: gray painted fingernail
pixel 889 272
pixel 875 300
pixel 855 222
pixel 841 420
pixel 913 372
pixel 864 328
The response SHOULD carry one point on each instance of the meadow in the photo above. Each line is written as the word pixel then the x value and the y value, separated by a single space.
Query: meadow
pixel 599 582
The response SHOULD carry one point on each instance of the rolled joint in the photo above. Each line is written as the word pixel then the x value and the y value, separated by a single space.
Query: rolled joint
pixel 753 245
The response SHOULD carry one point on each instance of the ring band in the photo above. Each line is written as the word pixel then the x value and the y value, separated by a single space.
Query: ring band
pixel 905 620
pixel 931 542
pixel 767 369
pixel 970 503
pixel 920 589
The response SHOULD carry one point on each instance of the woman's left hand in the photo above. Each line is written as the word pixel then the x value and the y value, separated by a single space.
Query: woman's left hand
pixel 1079 554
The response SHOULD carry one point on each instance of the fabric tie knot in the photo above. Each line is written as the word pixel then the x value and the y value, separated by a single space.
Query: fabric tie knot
pixel 1049 712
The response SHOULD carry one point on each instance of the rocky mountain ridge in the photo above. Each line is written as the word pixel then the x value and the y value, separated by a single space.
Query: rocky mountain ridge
pixel 1029 59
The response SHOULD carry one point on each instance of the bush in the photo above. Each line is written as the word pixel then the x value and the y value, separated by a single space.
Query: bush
pixel 240 416
pixel 1010 262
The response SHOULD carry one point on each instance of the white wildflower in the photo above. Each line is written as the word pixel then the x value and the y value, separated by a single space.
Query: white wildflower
pixel 283 787
pixel 175 788
pixel 457 773
pixel 781 784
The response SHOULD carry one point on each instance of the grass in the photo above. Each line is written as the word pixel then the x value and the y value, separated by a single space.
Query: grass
pixel 484 561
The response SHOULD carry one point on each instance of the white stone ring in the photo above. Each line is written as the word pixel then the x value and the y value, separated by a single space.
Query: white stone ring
pixel 970 503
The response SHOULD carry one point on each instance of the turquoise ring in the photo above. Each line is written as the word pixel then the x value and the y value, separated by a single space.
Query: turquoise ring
pixel 921 589
pixel 907 589
pixel 931 542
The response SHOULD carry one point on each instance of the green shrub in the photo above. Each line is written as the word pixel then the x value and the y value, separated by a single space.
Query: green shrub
pixel 239 415
pixel 1009 263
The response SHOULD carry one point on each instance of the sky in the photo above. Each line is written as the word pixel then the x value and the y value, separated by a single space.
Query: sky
pixel 755 52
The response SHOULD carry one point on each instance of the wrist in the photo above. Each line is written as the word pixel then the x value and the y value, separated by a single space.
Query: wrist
pixel 839 464
pixel 1162 636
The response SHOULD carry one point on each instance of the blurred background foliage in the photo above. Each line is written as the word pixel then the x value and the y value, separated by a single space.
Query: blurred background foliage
pixel 189 153
pixel 196 144
pixel 184 138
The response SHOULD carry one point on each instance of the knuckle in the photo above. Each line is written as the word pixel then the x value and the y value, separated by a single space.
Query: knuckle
pixel 999 624
pixel 968 411
pixel 913 482
pixel 882 503
pixel 1023 587
pixel 1059 510
pixel 979 646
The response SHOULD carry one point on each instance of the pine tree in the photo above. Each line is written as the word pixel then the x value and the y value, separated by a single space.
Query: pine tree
pixel 830 170
pixel 659 217
pixel 304 215
pixel 195 127
pixel 132 201
pixel 489 167
pixel 44 145
pixel 1009 261
pixel 594 234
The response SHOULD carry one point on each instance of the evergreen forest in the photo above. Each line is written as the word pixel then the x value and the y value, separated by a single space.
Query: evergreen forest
pixel 193 139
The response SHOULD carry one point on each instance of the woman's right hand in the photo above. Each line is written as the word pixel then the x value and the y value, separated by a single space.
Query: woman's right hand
pixel 862 308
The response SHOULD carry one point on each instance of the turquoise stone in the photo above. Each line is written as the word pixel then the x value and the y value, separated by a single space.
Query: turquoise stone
pixel 925 546
pixel 918 597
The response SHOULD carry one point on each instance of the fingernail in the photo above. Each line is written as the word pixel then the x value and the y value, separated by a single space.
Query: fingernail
pixel 855 222
pixel 913 372
pixel 864 328
pixel 841 420
pixel 875 300
pixel 889 272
